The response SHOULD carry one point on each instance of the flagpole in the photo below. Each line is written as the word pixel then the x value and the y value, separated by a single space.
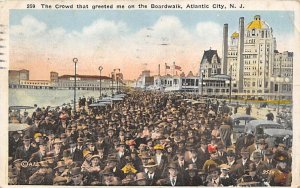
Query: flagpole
pixel 173 68
pixel 165 68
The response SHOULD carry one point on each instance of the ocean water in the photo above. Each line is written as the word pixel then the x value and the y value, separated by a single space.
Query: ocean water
pixel 43 98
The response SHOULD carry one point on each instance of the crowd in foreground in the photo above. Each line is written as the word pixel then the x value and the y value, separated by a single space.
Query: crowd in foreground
pixel 149 138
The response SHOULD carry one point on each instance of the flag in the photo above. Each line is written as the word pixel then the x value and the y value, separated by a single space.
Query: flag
pixel 167 67
pixel 177 67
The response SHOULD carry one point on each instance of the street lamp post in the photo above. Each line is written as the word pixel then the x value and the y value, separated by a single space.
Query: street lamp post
pixel 202 76
pixel 230 80
pixel 75 60
pixel 277 80
pixel 117 78
pixel 100 89
pixel 112 84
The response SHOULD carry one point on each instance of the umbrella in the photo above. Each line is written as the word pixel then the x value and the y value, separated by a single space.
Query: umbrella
pixel 18 127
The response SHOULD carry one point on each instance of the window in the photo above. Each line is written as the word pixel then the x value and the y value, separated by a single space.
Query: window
pixel 253 32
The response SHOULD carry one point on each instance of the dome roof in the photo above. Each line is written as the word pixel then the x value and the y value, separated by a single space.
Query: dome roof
pixel 257 23
pixel 235 35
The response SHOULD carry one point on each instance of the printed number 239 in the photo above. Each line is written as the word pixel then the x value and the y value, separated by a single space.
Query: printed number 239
pixel 30 5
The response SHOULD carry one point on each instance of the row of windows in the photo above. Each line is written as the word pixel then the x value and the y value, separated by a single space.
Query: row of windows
pixel 232 53
pixel 248 62
pixel 35 83
pixel 289 59
pixel 253 56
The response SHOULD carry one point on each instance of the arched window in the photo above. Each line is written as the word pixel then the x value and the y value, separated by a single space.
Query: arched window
pixel 253 32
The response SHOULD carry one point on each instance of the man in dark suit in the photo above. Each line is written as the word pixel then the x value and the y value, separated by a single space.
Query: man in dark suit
pixel 57 151
pixel 78 153
pixel 232 162
pixel 203 152
pixel 172 179
pixel 226 178
pixel 24 152
pixel 14 142
pixel 160 159
pixel 268 160
pixel 181 164
pixel 39 155
pixel 244 162
pixel 192 178
pixel 195 159
pixel 152 175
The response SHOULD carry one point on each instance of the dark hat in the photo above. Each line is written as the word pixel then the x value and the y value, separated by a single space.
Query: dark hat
pixel 281 156
pixel 151 163
pixel 63 135
pixel 172 165
pixel 57 141
pixel 134 151
pixel 66 153
pixel 26 137
pixel 145 155
pixel 212 168
pixel 269 152
pixel 49 155
pixel 79 139
pixel 231 153
pixel 121 143
pixel 192 167
pixel 75 171
pixel 220 146
pixel 60 164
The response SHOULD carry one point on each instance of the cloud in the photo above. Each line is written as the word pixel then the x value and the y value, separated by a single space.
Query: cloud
pixel 29 26
pixel 286 42
pixel 210 34
pixel 104 28
pixel 112 44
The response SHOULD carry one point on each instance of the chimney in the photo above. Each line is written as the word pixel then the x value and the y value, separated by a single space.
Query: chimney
pixel 240 54
pixel 158 69
pixel 225 48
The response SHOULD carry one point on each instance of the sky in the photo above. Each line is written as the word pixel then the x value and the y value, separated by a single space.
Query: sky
pixel 47 40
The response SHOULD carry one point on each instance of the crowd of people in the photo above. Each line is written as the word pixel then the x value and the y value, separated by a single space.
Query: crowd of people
pixel 149 138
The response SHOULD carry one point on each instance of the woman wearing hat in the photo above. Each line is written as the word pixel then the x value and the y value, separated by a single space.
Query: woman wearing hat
pixel 92 174
pixel 280 176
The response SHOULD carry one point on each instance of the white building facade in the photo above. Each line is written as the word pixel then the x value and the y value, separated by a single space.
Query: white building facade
pixel 253 62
